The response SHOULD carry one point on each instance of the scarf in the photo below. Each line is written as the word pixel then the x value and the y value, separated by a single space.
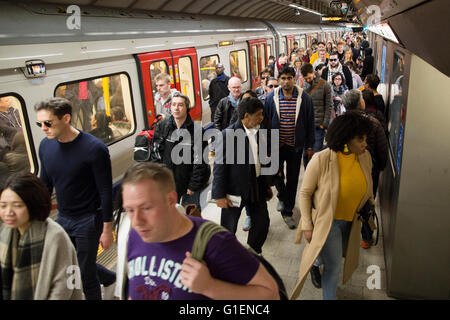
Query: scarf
pixel 221 76
pixel 279 66
pixel 233 101
pixel 20 258
pixel 332 71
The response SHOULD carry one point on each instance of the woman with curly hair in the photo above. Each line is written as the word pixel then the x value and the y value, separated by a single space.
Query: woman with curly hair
pixel 336 185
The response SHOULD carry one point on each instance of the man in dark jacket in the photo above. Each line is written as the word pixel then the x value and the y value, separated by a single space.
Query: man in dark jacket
pixel 334 66
pixel 290 109
pixel 218 88
pixel 245 179
pixel 226 112
pixel 320 92
pixel 178 143
pixel 377 146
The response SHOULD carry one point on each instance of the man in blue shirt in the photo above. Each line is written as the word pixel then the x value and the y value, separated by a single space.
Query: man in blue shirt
pixel 78 166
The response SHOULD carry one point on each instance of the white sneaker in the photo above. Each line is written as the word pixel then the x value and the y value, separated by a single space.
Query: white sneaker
pixel 280 205
pixel 247 224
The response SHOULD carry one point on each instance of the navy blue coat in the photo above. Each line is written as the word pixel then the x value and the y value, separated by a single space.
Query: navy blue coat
pixel 304 129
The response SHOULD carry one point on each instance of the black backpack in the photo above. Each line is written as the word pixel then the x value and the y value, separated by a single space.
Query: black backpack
pixel 204 234
pixel 143 142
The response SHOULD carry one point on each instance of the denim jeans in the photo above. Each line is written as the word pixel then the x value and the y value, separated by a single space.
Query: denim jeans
pixel 85 235
pixel 331 257
pixel 319 136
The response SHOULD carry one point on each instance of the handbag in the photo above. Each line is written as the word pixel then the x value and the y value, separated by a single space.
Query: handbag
pixel 366 213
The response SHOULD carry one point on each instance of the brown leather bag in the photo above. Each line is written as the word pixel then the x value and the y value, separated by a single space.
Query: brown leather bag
pixel 192 210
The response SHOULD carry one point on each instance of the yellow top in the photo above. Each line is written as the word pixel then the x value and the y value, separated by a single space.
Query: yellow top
pixel 315 56
pixel 352 186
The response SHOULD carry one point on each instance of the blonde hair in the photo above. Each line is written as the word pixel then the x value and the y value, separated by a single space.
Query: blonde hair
pixel 155 172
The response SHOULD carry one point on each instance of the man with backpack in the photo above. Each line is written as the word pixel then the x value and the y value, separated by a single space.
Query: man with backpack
pixel 176 145
pixel 158 262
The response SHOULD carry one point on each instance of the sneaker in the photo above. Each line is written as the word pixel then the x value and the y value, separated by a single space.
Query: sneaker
pixel 247 224
pixel 280 205
pixel 290 222
pixel 316 277
pixel 365 245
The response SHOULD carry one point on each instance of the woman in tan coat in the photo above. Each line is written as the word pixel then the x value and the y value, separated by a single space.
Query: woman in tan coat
pixel 336 185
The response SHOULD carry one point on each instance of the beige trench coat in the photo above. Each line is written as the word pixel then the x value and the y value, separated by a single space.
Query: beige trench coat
pixel 318 201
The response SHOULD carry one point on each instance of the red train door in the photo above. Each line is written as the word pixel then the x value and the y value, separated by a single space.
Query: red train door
pixel 258 60
pixel 181 66
pixel 290 44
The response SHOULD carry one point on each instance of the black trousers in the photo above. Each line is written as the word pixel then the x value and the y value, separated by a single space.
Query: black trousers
pixel 288 190
pixel 260 221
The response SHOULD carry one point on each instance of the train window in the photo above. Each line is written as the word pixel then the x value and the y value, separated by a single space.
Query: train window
pixel 187 79
pixel 156 68
pixel 238 64
pixel 255 69
pixel 207 73
pixel 269 50
pixel 262 51
pixel 101 106
pixel 15 148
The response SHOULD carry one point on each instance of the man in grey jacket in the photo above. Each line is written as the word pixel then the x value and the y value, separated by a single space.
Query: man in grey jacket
pixel 320 92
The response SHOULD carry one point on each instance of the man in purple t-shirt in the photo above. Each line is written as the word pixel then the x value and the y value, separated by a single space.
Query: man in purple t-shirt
pixel 159 265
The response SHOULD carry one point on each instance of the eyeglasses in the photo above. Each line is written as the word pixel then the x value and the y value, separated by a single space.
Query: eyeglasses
pixel 333 59
pixel 273 86
pixel 48 124
pixel 264 78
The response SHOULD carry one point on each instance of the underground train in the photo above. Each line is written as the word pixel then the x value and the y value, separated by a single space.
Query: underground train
pixel 111 61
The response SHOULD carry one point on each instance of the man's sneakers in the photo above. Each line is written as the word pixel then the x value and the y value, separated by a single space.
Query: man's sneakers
pixel 247 224
pixel 290 222
pixel 316 277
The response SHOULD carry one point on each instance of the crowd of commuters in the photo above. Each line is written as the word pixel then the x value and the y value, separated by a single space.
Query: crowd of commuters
pixel 322 102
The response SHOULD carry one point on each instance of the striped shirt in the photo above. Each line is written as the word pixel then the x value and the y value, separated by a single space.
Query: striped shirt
pixel 287 118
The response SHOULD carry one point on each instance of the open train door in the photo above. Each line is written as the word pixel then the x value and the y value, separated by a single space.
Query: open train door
pixel 258 60
pixel 181 66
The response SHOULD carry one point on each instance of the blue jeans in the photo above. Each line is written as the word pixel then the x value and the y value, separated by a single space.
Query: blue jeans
pixel 85 235
pixel 319 136
pixel 331 257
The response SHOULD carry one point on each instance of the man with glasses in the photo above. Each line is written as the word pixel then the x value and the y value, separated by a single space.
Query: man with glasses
pixel 272 84
pixel 78 166
pixel 334 66
pixel 290 110
pixel 226 112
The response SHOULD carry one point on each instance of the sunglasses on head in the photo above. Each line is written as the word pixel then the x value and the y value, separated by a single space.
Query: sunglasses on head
pixel 273 86
pixel 48 124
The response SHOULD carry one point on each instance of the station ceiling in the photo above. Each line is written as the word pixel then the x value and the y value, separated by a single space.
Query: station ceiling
pixel 277 10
